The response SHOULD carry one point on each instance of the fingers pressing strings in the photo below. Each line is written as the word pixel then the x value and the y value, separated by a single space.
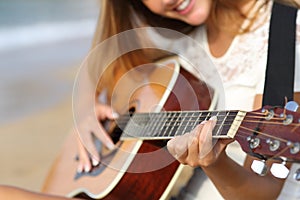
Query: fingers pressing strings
pixel 199 142
pixel 205 138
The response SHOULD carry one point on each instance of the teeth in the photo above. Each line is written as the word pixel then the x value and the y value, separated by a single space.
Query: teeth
pixel 183 5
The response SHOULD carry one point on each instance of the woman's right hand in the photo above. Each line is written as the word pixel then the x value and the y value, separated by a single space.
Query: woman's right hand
pixel 88 154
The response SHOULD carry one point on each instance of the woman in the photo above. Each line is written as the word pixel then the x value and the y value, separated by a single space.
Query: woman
pixel 118 16
pixel 224 22
pixel 230 26
pixel 164 14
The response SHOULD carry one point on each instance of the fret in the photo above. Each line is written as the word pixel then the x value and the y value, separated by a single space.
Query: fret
pixel 194 122
pixel 230 116
pixel 149 129
pixel 219 126
pixel 129 130
pixel 170 124
pixel 138 124
pixel 207 116
pixel 195 119
pixel 176 122
pixel 202 116
pixel 166 125
pixel 236 122
pixel 147 123
pixel 162 123
pixel 184 123
pixel 158 120
pixel 146 128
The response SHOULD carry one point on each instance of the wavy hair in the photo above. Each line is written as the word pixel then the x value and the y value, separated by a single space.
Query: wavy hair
pixel 117 16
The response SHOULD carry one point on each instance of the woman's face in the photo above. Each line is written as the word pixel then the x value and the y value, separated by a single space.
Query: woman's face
pixel 193 12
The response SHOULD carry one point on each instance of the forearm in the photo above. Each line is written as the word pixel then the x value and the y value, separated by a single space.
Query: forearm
pixel 236 182
pixel 13 193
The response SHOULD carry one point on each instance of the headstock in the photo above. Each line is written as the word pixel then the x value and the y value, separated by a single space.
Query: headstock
pixel 271 133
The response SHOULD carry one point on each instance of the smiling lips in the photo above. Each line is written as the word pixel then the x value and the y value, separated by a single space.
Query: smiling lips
pixel 184 7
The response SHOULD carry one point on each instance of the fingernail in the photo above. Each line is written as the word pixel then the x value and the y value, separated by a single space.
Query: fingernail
pixel 87 168
pixel 213 118
pixel 95 162
pixel 115 115
pixel 110 146
pixel 80 168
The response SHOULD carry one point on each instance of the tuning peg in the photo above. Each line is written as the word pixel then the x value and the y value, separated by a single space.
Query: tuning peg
pixel 279 170
pixel 291 106
pixel 254 142
pixel 294 147
pixel 273 144
pixel 297 175
pixel 259 167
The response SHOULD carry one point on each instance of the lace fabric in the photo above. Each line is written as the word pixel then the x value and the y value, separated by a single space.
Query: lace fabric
pixel 242 67
pixel 234 66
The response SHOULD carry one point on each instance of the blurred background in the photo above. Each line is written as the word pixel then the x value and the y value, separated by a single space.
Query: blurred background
pixel 42 44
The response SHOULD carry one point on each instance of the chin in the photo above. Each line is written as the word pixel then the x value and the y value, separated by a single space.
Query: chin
pixel 196 22
pixel 196 19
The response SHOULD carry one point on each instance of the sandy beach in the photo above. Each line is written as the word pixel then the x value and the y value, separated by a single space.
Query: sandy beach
pixel 30 145
pixel 42 45
pixel 30 142
pixel 36 108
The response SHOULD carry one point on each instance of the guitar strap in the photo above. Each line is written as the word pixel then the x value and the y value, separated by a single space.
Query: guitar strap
pixel 279 81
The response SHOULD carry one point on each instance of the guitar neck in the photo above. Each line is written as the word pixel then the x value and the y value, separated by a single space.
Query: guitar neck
pixel 270 132
pixel 166 125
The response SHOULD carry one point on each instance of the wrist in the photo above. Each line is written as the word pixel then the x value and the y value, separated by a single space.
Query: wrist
pixel 218 163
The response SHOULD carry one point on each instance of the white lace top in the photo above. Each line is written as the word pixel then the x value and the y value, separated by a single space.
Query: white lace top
pixel 243 76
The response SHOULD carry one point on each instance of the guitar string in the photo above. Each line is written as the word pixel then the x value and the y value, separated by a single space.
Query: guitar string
pixel 265 134
pixel 124 120
pixel 265 113
pixel 296 127
pixel 248 119
pixel 178 119
pixel 251 117
pixel 176 122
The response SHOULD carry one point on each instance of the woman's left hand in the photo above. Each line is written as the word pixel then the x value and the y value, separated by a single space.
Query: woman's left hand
pixel 197 148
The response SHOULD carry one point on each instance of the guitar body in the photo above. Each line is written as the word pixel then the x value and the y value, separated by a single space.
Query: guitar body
pixel 137 169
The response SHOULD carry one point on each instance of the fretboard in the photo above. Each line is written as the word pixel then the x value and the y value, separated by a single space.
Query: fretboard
pixel 166 125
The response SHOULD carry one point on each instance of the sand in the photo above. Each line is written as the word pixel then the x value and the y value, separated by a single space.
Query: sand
pixel 29 146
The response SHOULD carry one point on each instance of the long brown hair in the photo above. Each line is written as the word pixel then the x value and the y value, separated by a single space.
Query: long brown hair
pixel 294 3
pixel 117 16
pixel 226 15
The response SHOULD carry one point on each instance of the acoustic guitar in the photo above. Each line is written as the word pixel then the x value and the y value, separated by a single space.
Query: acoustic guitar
pixel 167 101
